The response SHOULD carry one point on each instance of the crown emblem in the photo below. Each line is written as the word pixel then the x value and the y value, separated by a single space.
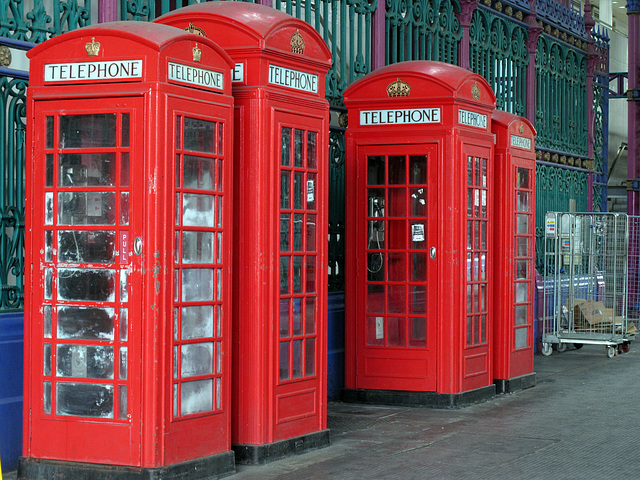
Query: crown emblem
pixel 398 88
pixel 521 128
pixel 297 43
pixel 475 91
pixel 195 30
pixel 197 53
pixel 92 47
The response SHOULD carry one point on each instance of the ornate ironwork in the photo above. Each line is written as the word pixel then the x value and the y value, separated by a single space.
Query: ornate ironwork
pixel 12 168
pixel 422 30
pixel 498 52
pixel 555 186
pixel 561 110
pixel 38 24
pixel 336 209
pixel 554 12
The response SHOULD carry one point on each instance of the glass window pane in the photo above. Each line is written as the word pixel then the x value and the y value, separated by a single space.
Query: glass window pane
pixel 375 298
pixel 297 316
pixel 298 220
pixel 284 360
pixel 49 170
pixel 418 299
pixel 284 275
pixel 397 268
pixel 199 135
pixel 417 169
pixel 86 323
pixel 197 284
pixel 522 314
pixel 92 285
pixel 311 192
pixel 285 220
pixel 196 397
pixel 397 202
pixel 375 267
pixel 522 246
pixel 418 335
pixel 221 180
pixel 84 361
pixel 48 310
pixel 397 170
pixel 398 234
pixel 299 142
pixel 124 324
pixel 311 274
pixel 285 305
pixel 88 131
pixel 418 202
pixel 310 316
pixel 124 208
pixel 48 246
pixel 197 322
pixel 82 169
pixel 419 266
pixel 375 175
pixel 197 247
pixel 48 208
pixel 49 133
pixel 298 190
pixel 48 283
pixel 311 233
pixel 396 298
pixel 46 370
pixel 198 210
pixel 122 402
pixel 522 292
pixel 376 234
pixel 522 223
pixel 396 332
pixel 312 155
pixel 122 367
pixel 285 147
pixel 310 356
pixel 196 359
pixel 84 400
pixel 375 330
pixel 220 138
pixel 78 246
pixel 297 274
pixel 199 172
pixel 46 397
pixel 522 180
pixel 521 337
pixel 285 200
pixel 522 269
pixel 296 360
pixel 124 138
pixel 523 201
pixel 124 285
pixel 86 208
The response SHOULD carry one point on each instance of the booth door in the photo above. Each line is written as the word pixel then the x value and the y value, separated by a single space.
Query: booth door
pixel 300 374
pixel 85 359
pixel 396 261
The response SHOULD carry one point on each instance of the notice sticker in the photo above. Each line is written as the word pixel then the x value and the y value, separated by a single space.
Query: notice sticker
pixel 417 232
pixel 311 196
pixel 550 227
pixel 379 328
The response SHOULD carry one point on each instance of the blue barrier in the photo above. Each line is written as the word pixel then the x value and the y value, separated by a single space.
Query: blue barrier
pixel 335 345
pixel 11 373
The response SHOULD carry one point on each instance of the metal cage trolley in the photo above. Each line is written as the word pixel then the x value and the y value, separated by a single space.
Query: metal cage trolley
pixel 590 268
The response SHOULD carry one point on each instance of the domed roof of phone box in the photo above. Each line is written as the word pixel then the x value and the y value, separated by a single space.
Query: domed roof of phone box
pixel 427 79
pixel 123 40
pixel 237 26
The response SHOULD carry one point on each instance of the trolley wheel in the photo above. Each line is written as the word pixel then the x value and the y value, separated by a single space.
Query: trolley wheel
pixel 547 349
pixel 625 347
pixel 562 347
pixel 577 346
pixel 611 351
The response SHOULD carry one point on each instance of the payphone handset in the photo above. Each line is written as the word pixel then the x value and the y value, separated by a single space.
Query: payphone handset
pixel 376 234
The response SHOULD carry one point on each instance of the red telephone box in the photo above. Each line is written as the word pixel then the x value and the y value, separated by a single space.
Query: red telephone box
pixel 419 197
pixel 515 176
pixel 281 158
pixel 128 254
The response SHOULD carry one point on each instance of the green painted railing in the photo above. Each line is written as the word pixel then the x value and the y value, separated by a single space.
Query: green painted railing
pixel 12 168
pixel 561 113
pixel 555 187
pixel 498 52
pixel 42 22
pixel 422 30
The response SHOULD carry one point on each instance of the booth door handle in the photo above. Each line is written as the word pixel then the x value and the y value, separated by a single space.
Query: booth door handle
pixel 433 253
pixel 137 246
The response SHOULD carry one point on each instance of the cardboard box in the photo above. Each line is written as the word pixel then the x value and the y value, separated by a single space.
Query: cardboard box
pixel 589 313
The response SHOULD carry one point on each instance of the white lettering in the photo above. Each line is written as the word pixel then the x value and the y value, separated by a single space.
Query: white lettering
pixel 472 119
pixel 285 77
pixel 93 71
pixel 197 76
pixel 400 116
pixel 521 142
pixel 237 74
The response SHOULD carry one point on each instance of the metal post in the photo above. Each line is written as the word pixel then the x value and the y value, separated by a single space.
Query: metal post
pixel 633 170
pixel 467 7
pixel 534 31
pixel 378 36
pixel 592 56
pixel 107 11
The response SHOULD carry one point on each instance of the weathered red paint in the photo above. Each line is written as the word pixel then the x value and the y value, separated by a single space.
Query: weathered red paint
pixel 155 104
